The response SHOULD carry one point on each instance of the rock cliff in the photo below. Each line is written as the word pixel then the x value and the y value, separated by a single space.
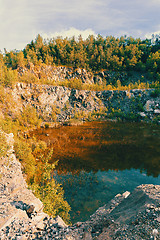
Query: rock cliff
pixel 61 103
pixel 59 74
pixel 133 215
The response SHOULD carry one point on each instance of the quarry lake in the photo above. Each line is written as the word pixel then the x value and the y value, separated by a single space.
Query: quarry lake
pixel 98 160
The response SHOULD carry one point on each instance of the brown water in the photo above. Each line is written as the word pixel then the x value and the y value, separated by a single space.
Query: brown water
pixel 100 159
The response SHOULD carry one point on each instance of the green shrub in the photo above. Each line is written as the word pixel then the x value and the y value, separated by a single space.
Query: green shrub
pixel 4 146
pixel 8 77
pixel 46 125
pixel 140 107
pixel 23 152
pixel 48 190
pixel 155 93
pixel 29 117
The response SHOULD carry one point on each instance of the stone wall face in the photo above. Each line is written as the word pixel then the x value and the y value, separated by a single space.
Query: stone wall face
pixel 49 99
pixel 60 73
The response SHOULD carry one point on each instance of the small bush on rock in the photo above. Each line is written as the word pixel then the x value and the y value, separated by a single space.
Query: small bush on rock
pixel 4 146
pixel 48 190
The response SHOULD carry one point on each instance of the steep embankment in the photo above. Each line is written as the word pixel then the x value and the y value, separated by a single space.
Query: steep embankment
pixel 21 213
pixel 15 198
pixel 127 216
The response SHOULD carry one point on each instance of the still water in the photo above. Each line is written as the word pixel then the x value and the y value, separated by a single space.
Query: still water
pixel 97 160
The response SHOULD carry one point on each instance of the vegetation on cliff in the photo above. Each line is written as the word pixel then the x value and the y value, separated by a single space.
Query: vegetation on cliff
pixel 31 153
pixel 96 54
pixel 4 146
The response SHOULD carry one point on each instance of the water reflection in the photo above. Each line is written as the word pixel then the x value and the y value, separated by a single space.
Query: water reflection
pixel 105 146
pixel 100 159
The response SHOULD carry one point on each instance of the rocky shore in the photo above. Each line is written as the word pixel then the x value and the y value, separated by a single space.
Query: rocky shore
pixel 133 215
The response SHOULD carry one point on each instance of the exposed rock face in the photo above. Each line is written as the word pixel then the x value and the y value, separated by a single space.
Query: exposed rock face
pixel 137 216
pixel 59 73
pixel 55 103
pixel 20 211
pixel 63 101
pixel 15 198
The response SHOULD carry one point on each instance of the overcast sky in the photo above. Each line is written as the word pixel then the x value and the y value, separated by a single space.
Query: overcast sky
pixel 22 20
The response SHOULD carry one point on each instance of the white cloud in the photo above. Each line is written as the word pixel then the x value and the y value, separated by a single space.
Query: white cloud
pixel 22 20
pixel 154 2
pixel 149 35
pixel 17 24
pixel 70 33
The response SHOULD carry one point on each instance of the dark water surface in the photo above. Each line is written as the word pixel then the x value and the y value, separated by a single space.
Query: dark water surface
pixel 97 160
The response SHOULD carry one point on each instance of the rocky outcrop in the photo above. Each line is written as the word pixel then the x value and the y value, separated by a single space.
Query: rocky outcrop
pixel 20 210
pixel 65 102
pixel 133 215
pixel 59 74
pixel 15 198
pixel 137 216
pixel 127 216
